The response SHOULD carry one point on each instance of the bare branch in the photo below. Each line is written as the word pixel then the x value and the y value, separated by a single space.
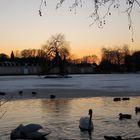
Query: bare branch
pixel 97 15
pixel 40 7
pixel 2 114
pixel 2 103
pixel 59 4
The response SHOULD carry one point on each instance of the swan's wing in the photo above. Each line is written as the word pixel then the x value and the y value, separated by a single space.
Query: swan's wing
pixel 36 135
pixel 84 123
pixel 16 133
pixel 31 128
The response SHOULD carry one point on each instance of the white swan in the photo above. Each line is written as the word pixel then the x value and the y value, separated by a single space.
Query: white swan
pixel 29 131
pixel 86 123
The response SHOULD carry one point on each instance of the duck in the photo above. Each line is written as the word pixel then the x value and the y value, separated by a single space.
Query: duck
pixel 86 123
pixel 29 131
pixel 2 93
pixel 124 116
pixel 137 109
pixel 34 93
pixel 139 123
pixel 52 96
pixel 117 99
pixel 125 98
pixel 20 92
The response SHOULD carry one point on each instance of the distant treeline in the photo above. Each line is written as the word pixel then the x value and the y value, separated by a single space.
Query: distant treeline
pixel 112 60
pixel 119 59
pixel 56 54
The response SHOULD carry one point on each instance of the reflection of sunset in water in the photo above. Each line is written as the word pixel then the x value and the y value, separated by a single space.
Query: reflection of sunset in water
pixel 62 116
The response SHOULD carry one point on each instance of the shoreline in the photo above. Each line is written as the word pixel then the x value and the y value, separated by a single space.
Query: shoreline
pixel 66 94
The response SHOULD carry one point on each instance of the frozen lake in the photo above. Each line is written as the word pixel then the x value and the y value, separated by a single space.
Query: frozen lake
pixel 103 84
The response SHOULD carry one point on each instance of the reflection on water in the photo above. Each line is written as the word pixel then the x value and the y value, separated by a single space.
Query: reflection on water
pixel 62 117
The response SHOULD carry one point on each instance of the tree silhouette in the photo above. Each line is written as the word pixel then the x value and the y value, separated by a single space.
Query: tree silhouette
pixel 136 60
pixel 56 44
pixel 57 51
pixel 12 56
pixel 91 59
pixel 113 59
pixel 3 57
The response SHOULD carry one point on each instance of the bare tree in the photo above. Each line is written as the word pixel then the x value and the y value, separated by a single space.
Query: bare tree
pixel 90 59
pixel 56 44
pixel 41 53
pixel 116 59
pixel 57 51
pixel 115 55
pixel 26 53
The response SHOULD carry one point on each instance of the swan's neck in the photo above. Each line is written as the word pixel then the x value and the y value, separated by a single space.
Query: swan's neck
pixel 90 121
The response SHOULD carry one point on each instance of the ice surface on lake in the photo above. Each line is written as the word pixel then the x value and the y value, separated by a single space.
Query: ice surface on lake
pixel 104 82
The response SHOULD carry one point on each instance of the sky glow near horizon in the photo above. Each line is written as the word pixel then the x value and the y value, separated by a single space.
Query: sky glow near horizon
pixel 21 27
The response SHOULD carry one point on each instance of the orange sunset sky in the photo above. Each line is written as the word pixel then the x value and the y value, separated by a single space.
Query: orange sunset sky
pixel 21 27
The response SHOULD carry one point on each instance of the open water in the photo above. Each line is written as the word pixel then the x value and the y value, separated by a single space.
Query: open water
pixel 61 117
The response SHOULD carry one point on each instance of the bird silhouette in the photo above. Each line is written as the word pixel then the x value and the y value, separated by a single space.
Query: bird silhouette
pixel 86 123
pixel 124 116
